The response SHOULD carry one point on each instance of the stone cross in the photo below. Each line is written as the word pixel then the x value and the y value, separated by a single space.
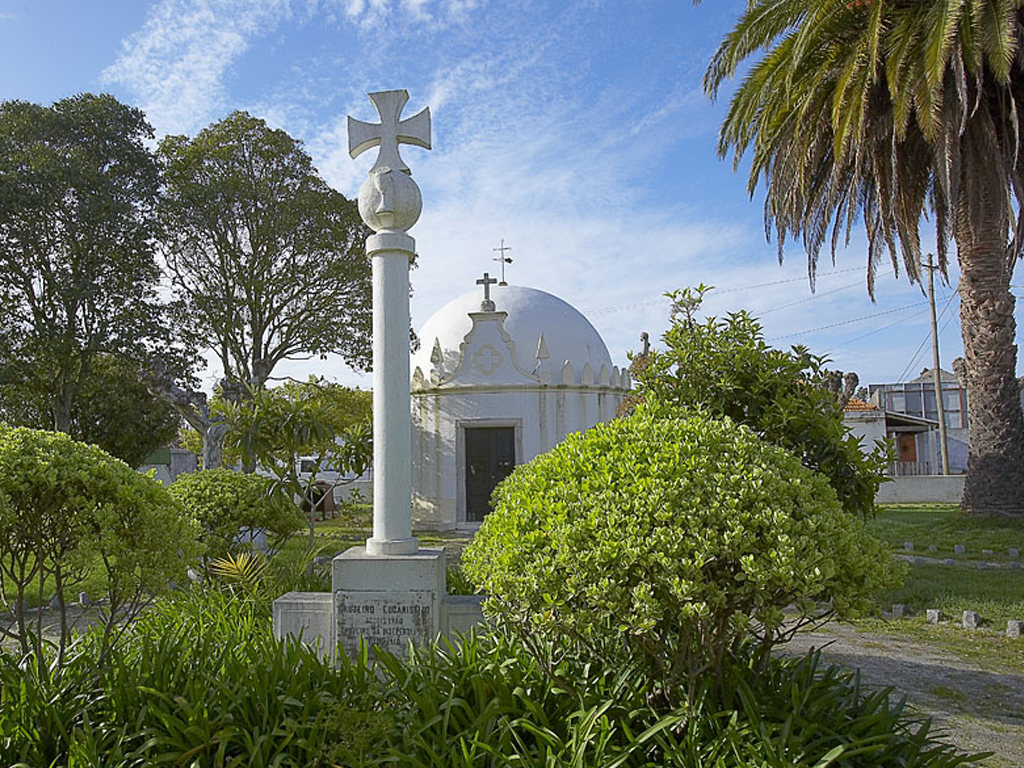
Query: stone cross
pixel 486 281
pixel 390 131
pixel 390 203
pixel 502 258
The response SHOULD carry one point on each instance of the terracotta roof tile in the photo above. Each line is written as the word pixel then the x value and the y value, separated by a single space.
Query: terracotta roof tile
pixel 859 405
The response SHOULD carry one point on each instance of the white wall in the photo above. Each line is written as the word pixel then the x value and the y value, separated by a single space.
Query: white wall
pixel 541 415
pixel 922 489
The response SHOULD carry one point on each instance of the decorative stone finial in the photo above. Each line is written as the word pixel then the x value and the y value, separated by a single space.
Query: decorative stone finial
pixel 389 199
pixel 486 281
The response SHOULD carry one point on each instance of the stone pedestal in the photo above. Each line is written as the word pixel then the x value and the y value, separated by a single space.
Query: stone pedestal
pixel 306 615
pixel 388 600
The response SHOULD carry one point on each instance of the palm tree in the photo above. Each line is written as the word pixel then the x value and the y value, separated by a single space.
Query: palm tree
pixel 890 111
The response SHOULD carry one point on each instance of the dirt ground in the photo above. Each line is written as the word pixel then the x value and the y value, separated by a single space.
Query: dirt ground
pixel 977 710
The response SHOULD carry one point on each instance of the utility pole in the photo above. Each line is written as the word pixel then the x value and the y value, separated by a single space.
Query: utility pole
pixel 936 370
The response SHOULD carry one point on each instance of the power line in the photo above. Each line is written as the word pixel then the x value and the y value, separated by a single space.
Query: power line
pixel 719 291
pixel 879 330
pixel 848 322
pixel 927 338
pixel 808 298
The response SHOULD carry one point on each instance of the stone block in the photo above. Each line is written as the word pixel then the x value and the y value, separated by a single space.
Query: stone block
pixel 1015 566
pixel 355 570
pixel 959 549
pixel 1014 553
pixel 899 611
pixel 908 545
pixel 971 620
pixel 987 552
pixel 981 566
pixel 388 600
pixel 949 561
pixel 83 598
pixel 462 613
pixel 933 548
pixel 933 615
pixel 309 615
pixel 1014 628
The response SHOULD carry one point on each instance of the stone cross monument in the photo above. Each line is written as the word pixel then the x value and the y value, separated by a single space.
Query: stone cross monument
pixel 390 203
pixel 392 591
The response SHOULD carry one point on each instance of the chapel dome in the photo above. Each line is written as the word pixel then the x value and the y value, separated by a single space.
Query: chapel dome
pixel 568 335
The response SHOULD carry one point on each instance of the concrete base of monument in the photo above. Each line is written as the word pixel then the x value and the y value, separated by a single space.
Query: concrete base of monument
pixel 386 601
pixel 376 547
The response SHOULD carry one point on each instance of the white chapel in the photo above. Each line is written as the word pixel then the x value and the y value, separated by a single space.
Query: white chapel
pixel 502 375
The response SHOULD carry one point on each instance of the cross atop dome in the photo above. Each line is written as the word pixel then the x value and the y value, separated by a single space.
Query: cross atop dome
pixel 486 281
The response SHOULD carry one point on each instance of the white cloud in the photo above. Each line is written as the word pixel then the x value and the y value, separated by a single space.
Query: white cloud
pixel 177 62
pixel 179 65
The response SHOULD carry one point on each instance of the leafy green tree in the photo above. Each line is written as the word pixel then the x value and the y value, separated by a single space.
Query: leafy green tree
pixel 724 366
pixel 890 112
pixel 674 540
pixel 67 508
pixel 266 258
pixel 325 426
pixel 78 275
pixel 113 410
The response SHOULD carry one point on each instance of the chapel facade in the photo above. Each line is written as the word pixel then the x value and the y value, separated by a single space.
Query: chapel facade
pixel 499 379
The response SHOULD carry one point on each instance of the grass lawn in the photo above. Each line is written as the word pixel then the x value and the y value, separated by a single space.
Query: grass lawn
pixel 997 594
pixel 944 526
pixel 93 583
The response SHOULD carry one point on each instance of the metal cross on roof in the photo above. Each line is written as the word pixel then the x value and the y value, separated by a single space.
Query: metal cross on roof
pixel 486 281
pixel 390 131
pixel 502 258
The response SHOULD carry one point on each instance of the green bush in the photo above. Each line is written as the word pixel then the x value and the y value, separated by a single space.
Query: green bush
pixel 226 502
pixel 684 536
pixel 725 367
pixel 67 509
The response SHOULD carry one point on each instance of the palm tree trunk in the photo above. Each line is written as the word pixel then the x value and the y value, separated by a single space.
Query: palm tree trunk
pixel 995 471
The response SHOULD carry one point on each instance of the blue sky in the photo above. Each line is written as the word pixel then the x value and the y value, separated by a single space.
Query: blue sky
pixel 576 131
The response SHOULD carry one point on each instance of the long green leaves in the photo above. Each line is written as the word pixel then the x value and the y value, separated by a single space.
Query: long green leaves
pixel 200 682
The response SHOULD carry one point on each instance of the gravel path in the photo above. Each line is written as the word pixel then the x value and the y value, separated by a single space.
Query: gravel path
pixel 977 710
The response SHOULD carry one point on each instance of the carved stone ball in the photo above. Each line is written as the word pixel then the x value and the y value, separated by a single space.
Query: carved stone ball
pixel 390 200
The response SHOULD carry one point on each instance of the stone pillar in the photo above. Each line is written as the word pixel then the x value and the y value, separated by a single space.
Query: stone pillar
pixel 392 450
pixel 390 203
pixel 390 592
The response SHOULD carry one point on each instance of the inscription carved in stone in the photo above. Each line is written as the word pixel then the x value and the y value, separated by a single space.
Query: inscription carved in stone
pixel 386 619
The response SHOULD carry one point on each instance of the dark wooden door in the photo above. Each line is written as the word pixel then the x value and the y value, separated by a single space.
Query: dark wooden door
pixel 490 458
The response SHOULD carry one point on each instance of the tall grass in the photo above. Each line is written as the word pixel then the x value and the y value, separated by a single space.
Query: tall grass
pixel 199 681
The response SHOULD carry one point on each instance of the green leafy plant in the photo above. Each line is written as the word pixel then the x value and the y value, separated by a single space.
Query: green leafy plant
pixel 226 503
pixel 684 537
pixel 67 508
pixel 299 431
pixel 263 579
pixel 181 690
pixel 724 365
